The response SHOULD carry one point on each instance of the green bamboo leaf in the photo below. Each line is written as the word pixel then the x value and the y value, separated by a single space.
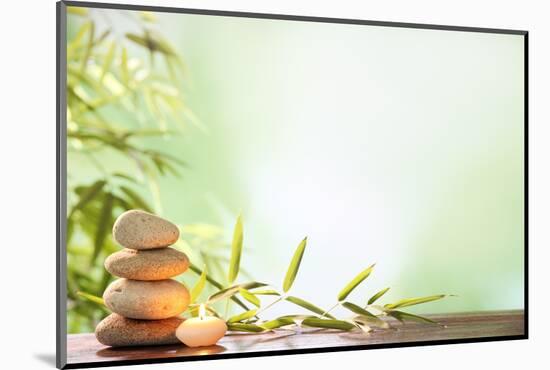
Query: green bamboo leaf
pixel 109 57
pixel 125 177
pixel 102 37
pixel 217 285
pixel 199 286
pixel 298 318
pixel 368 317
pixel 250 328
pixel 405 316
pixel 92 298
pixel 375 297
pixel 148 16
pixel 265 292
pixel 354 283
pixel 328 324
pixel 153 43
pixel 77 11
pixel 77 40
pixel 70 229
pixel 103 226
pixel 249 297
pixel 308 306
pixel 232 290
pixel 294 265
pixel 413 301
pixel 88 194
pixel 125 75
pixel 277 323
pixel 236 250
pixel 135 199
pixel 358 310
pixel 242 316
pixel 372 322
pixel 88 49
pixel 137 39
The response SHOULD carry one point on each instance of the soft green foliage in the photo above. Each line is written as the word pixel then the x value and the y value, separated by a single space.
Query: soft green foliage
pixel 121 91
pixel 115 100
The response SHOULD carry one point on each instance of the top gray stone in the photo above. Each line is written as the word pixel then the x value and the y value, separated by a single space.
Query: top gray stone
pixel 142 230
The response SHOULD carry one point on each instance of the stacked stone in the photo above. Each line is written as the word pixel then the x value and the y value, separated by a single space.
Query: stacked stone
pixel 145 300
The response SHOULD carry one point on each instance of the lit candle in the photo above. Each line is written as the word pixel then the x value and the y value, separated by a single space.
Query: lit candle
pixel 201 331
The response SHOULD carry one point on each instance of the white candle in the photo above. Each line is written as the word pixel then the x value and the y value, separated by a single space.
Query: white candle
pixel 201 331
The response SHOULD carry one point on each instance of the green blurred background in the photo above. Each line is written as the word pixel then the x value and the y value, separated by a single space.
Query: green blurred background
pixel 398 146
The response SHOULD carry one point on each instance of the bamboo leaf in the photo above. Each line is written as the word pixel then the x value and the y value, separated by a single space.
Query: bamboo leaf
pixel 92 298
pixel 250 328
pixel 148 16
pixel 125 76
pixel 217 285
pixel 109 57
pixel 277 323
pixel 236 250
pixel 375 297
pixel 232 290
pixel 405 316
pixel 354 283
pixel 135 199
pixel 308 306
pixel 87 195
pixel 265 292
pixel 76 41
pixel 89 47
pixel 242 316
pixel 365 328
pixel 125 177
pixel 77 11
pixel 414 301
pixel 104 225
pixel 368 316
pixel 153 43
pixel 294 265
pixel 358 310
pixel 371 321
pixel 328 324
pixel 199 286
pixel 249 297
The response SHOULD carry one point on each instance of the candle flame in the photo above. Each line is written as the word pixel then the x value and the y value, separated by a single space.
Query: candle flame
pixel 202 311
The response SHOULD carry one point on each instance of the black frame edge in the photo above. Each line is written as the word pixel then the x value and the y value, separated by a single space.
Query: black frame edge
pixel 288 17
pixel 526 182
pixel 61 186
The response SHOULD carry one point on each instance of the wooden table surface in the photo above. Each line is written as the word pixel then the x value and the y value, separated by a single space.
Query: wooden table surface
pixel 83 350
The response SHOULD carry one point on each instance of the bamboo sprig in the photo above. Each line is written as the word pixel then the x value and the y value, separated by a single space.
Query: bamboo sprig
pixel 371 316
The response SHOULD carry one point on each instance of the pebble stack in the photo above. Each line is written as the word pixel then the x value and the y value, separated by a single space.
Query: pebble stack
pixel 145 300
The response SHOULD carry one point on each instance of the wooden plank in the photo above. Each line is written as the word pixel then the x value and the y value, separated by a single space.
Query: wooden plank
pixel 84 350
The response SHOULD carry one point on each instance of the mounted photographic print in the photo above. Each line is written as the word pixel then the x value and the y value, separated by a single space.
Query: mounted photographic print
pixel 237 184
